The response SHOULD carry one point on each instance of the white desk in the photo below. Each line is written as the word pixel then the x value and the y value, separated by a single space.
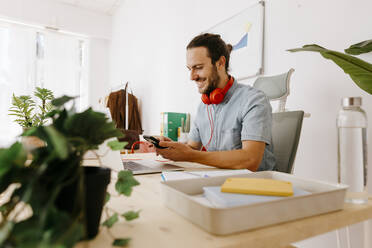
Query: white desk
pixel 158 226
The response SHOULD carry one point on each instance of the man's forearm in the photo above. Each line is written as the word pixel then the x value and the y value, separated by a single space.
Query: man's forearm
pixel 235 159
pixel 248 157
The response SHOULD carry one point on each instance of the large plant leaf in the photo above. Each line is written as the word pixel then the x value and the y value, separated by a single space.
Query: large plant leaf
pixel 62 100
pixel 14 155
pixel 5 231
pixel 29 131
pixel 58 141
pixel 359 70
pixel 93 127
pixel 125 183
pixel 28 232
pixel 359 48
pixel 116 145
pixel 60 230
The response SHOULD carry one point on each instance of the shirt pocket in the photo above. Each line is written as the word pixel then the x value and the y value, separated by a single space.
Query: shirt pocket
pixel 230 139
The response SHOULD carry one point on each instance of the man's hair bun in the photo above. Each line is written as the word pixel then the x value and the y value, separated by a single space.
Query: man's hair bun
pixel 229 48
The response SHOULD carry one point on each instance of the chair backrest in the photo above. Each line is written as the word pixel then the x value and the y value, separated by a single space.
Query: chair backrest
pixel 286 130
pixel 275 87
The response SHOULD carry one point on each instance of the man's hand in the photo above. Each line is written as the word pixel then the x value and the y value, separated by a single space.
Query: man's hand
pixel 175 151
pixel 249 157
pixel 160 138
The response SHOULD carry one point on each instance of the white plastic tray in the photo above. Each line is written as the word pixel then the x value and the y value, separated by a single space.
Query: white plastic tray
pixel 186 198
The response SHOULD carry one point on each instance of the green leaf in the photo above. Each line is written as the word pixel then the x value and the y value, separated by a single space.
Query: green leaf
pixel 62 100
pixel 22 106
pixel 131 215
pixel 93 127
pixel 5 207
pixel 125 183
pixel 111 221
pixel 107 197
pixel 43 93
pixel 27 233
pixel 14 155
pixel 116 145
pixel 5 231
pixel 59 228
pixel 359 48
pixel 52 113
pixel 121 242
pixel 58 141
pixel 29 131
pixel 359 70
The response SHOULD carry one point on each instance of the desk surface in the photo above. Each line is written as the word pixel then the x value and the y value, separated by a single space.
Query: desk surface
pixel 158 226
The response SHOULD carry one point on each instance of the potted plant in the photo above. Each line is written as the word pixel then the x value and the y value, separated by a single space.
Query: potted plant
pixel 359 70
pixel 31 114
pixel 45 200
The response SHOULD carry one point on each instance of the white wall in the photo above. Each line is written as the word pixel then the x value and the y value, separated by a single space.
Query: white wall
pixel 148 49
pixel 318 84
pixel 50 13
pixel 96 27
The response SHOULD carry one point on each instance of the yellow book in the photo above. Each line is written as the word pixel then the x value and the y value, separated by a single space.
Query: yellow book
pixel 257 186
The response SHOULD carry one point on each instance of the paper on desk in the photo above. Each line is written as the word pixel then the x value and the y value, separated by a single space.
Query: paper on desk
pixel 178 175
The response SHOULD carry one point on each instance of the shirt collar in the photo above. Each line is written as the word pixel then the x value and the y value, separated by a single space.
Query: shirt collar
pixel 230 92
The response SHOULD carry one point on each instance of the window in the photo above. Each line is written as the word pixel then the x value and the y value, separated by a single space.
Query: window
pixel 31 57
pixel 39 61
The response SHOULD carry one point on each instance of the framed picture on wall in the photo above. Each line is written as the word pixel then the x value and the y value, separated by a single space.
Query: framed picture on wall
pixel 245 32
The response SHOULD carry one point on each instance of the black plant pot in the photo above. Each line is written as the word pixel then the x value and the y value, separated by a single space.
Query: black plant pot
pixel 96 181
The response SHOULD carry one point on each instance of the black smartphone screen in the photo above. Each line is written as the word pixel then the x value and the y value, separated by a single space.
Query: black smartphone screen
pixel 153 141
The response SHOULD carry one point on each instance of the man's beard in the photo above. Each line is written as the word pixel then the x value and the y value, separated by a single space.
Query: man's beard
pixel 213 81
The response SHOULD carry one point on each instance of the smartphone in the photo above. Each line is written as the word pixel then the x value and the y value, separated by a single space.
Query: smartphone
pixel 153 141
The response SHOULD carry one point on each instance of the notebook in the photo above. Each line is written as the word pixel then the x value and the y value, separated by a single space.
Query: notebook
pixel 258 186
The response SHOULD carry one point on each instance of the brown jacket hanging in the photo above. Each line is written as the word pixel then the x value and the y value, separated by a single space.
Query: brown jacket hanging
pixel 116 103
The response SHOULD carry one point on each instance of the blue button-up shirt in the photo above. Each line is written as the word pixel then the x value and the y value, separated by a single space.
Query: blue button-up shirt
pixel 244 114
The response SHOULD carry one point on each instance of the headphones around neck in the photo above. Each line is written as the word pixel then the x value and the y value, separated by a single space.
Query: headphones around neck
pixel 217 95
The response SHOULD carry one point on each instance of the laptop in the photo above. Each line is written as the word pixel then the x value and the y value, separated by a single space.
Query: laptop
pixel 139 167
pixel 113 160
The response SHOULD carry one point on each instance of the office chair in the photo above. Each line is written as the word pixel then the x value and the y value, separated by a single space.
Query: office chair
pixel 286 130
pixel 275 87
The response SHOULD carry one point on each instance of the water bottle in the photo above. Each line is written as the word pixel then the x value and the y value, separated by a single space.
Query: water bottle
pixel 352 149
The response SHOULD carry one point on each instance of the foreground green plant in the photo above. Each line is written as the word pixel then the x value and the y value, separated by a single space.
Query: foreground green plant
pixel 33 186
pixel 359 70
pixel 27 112
pixel 123 186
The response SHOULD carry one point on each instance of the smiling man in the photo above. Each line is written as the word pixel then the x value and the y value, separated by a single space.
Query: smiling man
pixel 232 128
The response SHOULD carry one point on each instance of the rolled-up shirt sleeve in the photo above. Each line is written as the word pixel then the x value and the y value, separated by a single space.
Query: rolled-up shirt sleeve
pixel 194 134
pixel 257 119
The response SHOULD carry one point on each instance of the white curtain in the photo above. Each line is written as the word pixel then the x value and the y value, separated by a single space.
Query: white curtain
pixel 62 64
pixel 60 70
pixel 17 49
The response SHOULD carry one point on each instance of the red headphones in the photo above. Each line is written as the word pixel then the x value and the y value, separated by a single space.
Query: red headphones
pixel 217 95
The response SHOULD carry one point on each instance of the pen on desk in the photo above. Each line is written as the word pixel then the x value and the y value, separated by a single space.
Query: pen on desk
pixel 162 177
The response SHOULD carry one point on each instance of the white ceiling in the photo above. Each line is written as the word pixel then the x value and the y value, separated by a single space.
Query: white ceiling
pixel 106 7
